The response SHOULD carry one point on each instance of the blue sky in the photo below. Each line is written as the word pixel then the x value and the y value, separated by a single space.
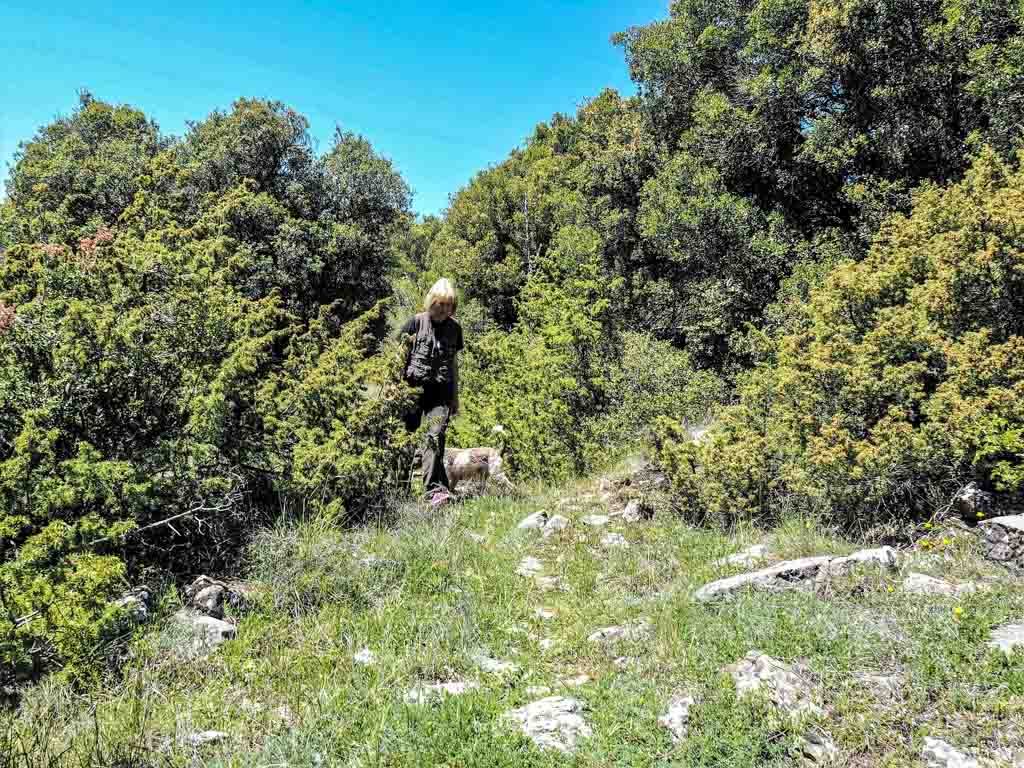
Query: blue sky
pixel 442 89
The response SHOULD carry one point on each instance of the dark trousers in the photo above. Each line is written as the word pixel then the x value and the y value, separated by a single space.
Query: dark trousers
pixel 433 405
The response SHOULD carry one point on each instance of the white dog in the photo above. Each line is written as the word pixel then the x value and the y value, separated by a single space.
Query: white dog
pixel 480 464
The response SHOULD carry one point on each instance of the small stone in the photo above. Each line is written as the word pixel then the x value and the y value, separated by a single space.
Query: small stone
pixel 817 748
pixel 611 540
pixel 135 606
pixel 425 693
pixel 199 584
pixel 529 566
pixel 546 643
pixel 596 521
pixel 677 717
pixel 884 687
pixel 544 613
pixel 210 600
pixel 920 584
pixel 554 525
pixel 574 682
pixel 476 537
pixel 1004 539
pixel 536 521
pixel 636 510
pixel 205 737
pixel 548 583
pixel 1007 638
pixel 638 631
pixel 788 691
pixel 973 503
pixel 205 632
pixel 939 754
pixel 365 657
pixel 554 722
pixel 883 556
pixel 746 558
pixel 623 661
pixel 493 666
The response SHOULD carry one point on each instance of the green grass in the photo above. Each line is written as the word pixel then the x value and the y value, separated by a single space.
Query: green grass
pixel 288 692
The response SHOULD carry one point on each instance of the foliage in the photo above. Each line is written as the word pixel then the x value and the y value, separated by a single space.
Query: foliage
pixel 654 380
pixel 904 382
pixel 78 173
pixel 762 131
pixel 198 351
pixel 546 379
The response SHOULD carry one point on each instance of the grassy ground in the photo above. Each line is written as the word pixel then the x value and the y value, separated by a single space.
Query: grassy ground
pixel 287 691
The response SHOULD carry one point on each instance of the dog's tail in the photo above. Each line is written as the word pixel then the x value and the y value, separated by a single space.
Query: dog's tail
pixel 499 431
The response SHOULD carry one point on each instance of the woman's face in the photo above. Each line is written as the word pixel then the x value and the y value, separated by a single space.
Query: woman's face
pixel 441 310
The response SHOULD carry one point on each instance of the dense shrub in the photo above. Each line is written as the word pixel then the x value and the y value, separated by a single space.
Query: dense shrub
pixel 650 381
pixel 178 367
pixel 903 381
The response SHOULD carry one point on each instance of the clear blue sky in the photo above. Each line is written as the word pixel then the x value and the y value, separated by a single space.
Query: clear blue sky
pixel 443 89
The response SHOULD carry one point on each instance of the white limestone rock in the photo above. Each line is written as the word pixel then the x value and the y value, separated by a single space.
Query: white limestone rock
pixel 677 717
pixel 424 693
pixel 786 689
pixel 746 558
pixel 202 738
pixel 939 754
pixel 614 540
pixel 202 633
pixel 536 521
pixel 529 566
pixel 555 722
pixel 641 630
pixel 1008 638
pixel 554 525
pixel 494 666
pixel 790 574
pixel 920 584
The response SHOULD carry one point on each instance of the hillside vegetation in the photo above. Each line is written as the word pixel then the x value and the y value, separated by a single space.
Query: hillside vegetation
pixel 801 240
pixel 333 665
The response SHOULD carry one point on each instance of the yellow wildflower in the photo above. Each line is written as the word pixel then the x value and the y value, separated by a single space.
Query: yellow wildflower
pixel 958 612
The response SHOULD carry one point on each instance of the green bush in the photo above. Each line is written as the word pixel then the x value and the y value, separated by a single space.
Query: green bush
pixel 204 356
pixel 650 381
pixel 903 381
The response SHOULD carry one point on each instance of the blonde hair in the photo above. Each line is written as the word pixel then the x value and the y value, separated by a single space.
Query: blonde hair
pixel 442 290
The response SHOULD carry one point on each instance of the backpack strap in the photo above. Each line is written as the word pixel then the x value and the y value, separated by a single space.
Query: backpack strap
pixel 424 324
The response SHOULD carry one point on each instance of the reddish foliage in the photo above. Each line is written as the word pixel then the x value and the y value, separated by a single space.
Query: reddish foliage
pixel 87 246
pixel 54 249
pixel 6 317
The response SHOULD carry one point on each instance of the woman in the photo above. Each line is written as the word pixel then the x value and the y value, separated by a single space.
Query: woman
pixel 434 339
